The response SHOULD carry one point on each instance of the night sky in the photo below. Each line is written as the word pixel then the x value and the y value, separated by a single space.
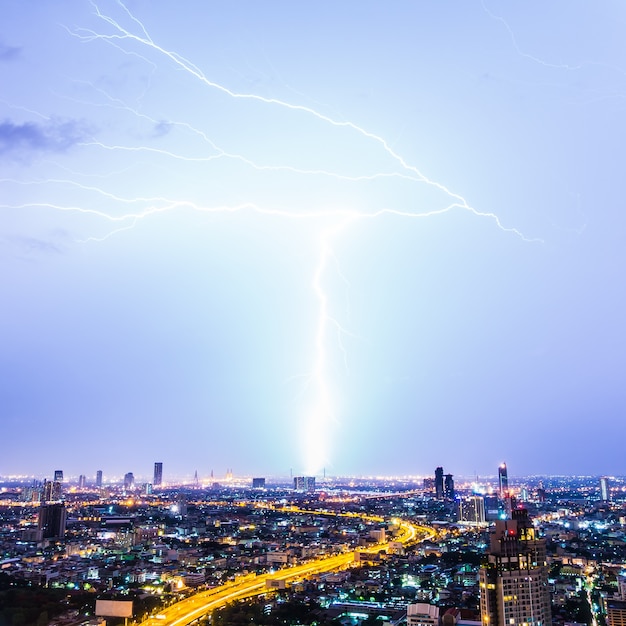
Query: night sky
pixel 371 237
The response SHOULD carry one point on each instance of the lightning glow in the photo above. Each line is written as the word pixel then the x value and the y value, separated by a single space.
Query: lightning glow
pixel 108 213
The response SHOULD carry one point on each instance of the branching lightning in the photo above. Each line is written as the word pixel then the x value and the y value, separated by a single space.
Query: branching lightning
pixel 320 417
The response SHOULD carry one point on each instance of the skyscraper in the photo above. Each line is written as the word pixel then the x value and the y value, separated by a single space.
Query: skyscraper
pixel 99 479
pixel 52 518
pixel 158 474
pixel 58 476
pixel 604 489
pixel 503 481
pixel 472 510
pixel 129 480
pixel 514 581
pixel 439 483
pixel 448 487
pixel 82 481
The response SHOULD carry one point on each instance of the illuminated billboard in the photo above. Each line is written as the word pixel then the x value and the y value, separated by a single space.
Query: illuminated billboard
pixel 114 608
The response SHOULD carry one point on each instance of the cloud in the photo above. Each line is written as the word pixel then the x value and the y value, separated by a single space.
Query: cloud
pixel 8 53
pixel 54 136
pixel 162 128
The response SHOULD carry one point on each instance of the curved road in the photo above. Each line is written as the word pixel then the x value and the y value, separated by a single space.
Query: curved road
pixel 204 602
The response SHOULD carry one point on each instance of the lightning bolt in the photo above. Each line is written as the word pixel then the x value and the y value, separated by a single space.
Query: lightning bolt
pixel 320 416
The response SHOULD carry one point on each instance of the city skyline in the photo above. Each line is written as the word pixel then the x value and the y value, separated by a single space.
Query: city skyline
pixel 305 237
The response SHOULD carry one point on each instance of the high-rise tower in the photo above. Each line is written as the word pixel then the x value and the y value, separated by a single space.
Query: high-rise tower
pixel 52 518
pixel 514 581
pixel 439 483
pixel 448 487
pixel 158 474
pixel 503 481
pixel 604 489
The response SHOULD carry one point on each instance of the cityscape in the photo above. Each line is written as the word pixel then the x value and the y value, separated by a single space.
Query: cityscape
pixel 429 551
pixel 313 313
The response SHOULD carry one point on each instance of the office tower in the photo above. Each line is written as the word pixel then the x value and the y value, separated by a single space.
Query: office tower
pixel 604 489
pixel 50 491
pixel 503 481
pixel 492 508
pixel 99 479
pixel 439 483
pixel 129 480
pixel 472 510
pixel 429 485
pixel 158 474
pixel 58 476
pixel 258 483
pixel 82 481
pixel 304 483
pixel 448 487
pixel 52 518
pixel 514 581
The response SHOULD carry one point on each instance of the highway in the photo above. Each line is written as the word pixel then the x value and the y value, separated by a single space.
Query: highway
pixel 204 602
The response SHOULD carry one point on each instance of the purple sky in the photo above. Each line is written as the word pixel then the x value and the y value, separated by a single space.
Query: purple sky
pixel 368 237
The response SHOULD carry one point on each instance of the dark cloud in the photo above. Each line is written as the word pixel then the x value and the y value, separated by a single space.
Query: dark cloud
pixel 8 53
pixel 53 136
pixel 162 128
pixel 33 244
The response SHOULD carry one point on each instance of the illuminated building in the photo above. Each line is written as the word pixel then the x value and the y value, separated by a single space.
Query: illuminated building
pixel 472 510
pixel 616 613
pixel 492 508
pixel 605 495
pixel 503 481
pixel 439 483
pixel 52 518
pixel 158 474
pixel 58 476
pixel 82 481
pixel 514 581
pixel 99 479
pixel 422 614
pixel 258 483
pixel 448 487
pixel 51 491
pixel 304 483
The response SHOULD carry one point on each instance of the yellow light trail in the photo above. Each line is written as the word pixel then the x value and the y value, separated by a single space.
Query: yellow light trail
pixel 200 604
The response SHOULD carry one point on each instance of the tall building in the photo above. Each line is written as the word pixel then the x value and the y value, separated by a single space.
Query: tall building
pixel 472 510
pixel 503 481
pixel 50 491
pixel 129 480
pixel 439 483
pixel 82 481
pixel 158 474
pixel 258 483
pixel 605 495
pixel 58 476
pixel 492 507
pixel 304 483
pixel 52 519
pixel 99 479
pixel 616 613
pixel 448 487
pixel 514 580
